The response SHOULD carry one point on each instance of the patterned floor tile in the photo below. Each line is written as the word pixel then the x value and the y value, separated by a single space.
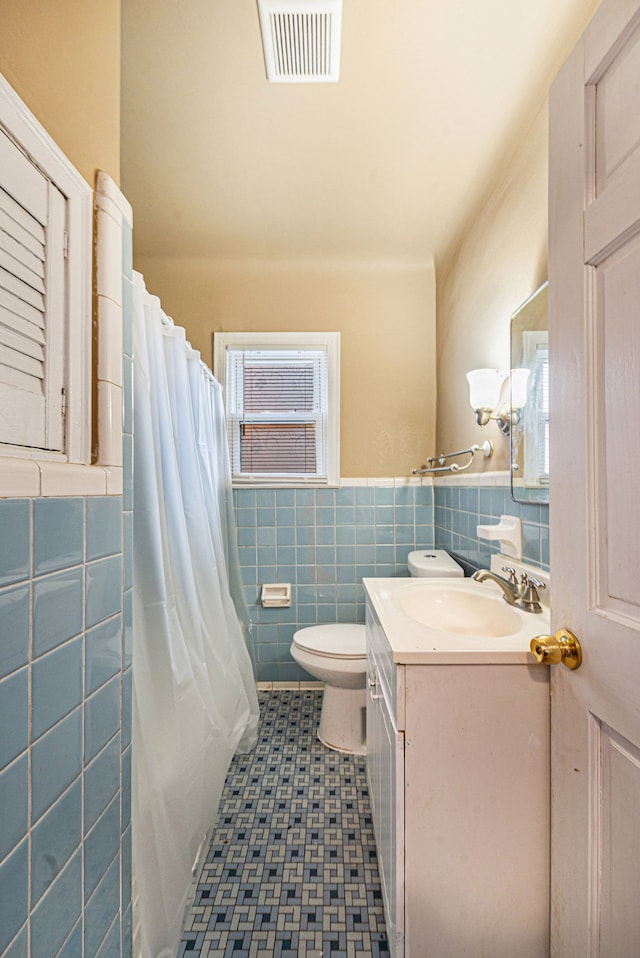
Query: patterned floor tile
pixel 291 869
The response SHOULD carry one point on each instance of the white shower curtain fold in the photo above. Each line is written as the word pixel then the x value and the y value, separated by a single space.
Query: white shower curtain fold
pixel 195 702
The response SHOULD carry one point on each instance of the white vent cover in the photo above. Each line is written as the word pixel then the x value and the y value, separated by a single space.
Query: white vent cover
pixel 301 40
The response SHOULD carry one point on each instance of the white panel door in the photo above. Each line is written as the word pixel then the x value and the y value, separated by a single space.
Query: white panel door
pixel 594 273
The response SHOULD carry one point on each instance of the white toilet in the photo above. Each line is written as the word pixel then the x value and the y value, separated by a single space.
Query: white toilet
pixel 337 655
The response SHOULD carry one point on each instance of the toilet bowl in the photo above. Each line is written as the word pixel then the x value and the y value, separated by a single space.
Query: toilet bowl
pixel 337 655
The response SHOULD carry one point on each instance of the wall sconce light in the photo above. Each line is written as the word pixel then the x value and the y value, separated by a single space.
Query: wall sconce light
pixel 485 386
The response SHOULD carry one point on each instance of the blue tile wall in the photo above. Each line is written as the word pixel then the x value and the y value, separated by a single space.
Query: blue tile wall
pixel 15 530
pixel 324 542
pixel 101 781
pixel 14 805
pixel 56 761
pixel 65 714
pixel 56 686
pixel 58 911
pixel 57 608
pixel 14 892
pixel 54 839
pixel 14 716
pixel 58 534
pixel 15 613
pixel 459 509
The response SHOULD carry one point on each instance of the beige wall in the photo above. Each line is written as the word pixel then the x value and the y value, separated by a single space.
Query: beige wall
pixel 500 261
pixel 63 60
pixel 386 317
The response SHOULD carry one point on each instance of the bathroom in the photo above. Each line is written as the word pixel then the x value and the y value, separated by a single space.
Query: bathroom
pixel 411 327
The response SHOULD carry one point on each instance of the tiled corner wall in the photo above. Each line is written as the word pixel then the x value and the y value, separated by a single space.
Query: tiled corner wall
pixel 323 541
pixel 460 507
pixel 65 684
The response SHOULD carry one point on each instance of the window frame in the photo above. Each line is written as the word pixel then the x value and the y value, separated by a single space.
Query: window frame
pixel 328 342
pixel 536 418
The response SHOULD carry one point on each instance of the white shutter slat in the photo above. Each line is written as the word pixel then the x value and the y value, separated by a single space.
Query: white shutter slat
pixel 20 253
pixel 29 372
pixel 18 223
pixel 23 181
pixel 24 344
pixel 12 379
pixel 33 279
pixel 14 311
pixel 22 290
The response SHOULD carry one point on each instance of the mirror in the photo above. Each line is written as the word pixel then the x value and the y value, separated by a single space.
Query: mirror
pixel 530 416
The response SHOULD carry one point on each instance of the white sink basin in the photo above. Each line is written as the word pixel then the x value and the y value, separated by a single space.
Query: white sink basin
pixel 466 608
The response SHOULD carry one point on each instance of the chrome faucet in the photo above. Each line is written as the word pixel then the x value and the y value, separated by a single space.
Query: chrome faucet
pixel 510 587
pixel 523 593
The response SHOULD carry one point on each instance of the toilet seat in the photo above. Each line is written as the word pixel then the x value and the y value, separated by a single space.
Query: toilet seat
pixel 339 641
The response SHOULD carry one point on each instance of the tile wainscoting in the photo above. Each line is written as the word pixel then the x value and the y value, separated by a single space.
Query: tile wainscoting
pixel 324 541
pixel 65 667
pixel 461 505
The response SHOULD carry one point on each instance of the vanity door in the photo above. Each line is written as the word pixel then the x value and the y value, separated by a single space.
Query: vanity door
pixel 594 287
pixel 385 777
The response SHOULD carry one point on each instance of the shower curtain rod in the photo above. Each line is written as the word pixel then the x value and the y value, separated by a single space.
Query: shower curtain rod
pixel 169 323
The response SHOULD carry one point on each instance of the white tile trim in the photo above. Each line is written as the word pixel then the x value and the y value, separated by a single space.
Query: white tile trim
pixel 385 481
pixel 19 477
pixel 106 190
pixel 110 424
pixel 71 479
pixel 502 478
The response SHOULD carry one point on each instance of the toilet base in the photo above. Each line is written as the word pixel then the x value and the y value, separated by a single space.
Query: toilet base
pixel 343 720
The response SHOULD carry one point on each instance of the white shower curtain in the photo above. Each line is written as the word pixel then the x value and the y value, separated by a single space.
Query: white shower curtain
pixel 194 702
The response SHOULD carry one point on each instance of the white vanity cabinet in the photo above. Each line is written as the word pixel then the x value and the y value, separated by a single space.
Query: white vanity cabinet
pixel 458 774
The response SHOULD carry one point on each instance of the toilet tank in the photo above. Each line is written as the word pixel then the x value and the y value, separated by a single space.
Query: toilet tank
pixel 433 563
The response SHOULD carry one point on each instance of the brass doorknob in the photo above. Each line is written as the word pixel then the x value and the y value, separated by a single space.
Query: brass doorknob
pixel 561 647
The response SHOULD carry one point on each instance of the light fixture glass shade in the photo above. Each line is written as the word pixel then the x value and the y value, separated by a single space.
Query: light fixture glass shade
pixel 484 387
pixel 519 379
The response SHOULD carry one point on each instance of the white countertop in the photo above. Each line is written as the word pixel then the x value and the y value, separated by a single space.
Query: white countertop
pixel 414 643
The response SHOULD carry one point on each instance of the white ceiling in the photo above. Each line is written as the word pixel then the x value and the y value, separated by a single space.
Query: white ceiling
pixel 387 164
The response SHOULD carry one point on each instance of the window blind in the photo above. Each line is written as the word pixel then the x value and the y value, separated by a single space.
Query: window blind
pixel 277 407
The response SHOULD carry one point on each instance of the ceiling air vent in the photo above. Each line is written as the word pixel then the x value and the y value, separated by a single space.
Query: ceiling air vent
pixel 301 40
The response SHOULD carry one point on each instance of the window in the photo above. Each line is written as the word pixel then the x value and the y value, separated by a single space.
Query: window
pixel 45 293
pixel 536 411
pixel 282 405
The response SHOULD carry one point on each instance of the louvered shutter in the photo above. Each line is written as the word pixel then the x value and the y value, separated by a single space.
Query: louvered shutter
pixel 277 405
pixel 32 303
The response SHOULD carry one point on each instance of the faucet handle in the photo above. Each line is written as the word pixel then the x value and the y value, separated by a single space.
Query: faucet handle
pixel 530 601
pixel 537 583
pixel 513 578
